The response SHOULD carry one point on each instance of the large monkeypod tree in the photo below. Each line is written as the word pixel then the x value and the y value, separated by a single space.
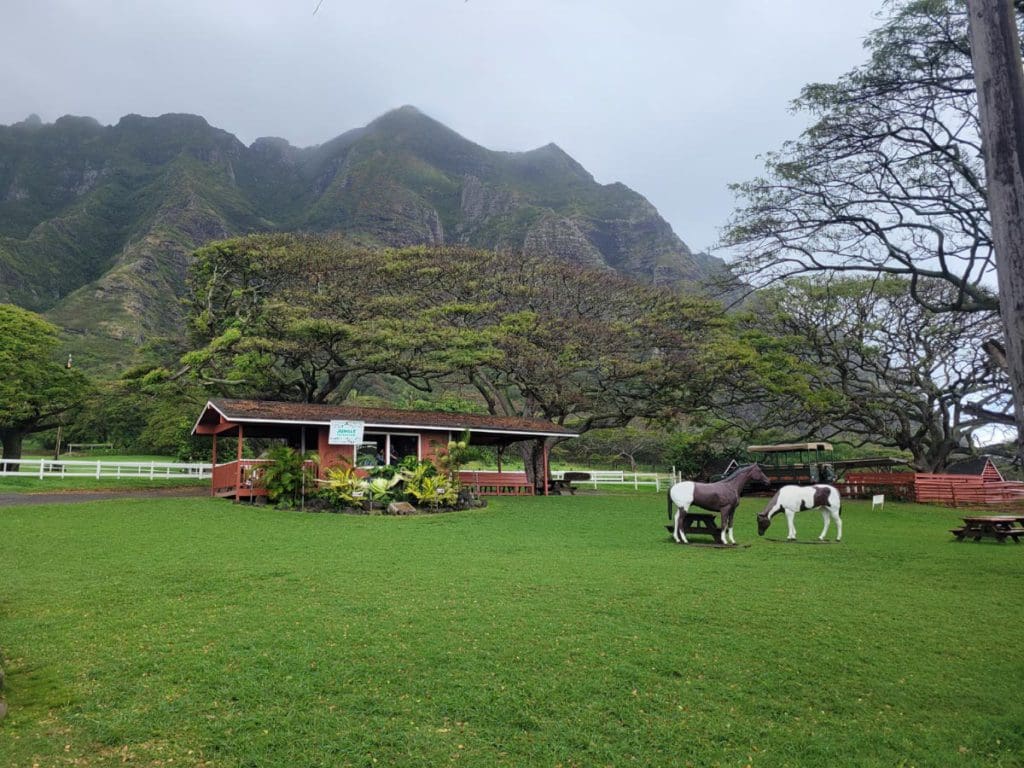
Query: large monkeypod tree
pixel 583 348
pixel 889 179
pixel 896 373
pixel 37 390
pixel 303 318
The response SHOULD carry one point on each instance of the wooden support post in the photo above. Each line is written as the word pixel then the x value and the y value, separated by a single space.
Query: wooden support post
pixel 547 471
pixel 213 468
pixel 238 466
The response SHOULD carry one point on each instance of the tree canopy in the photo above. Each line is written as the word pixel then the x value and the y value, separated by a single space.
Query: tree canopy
pixel 889 178
pixel 890 371
pixel 37 390
pixel 305 318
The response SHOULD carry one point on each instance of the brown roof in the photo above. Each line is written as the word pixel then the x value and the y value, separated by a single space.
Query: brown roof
pixel 265 411
pixel 975 466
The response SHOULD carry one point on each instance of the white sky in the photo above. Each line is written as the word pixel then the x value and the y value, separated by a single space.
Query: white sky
pixel 674 99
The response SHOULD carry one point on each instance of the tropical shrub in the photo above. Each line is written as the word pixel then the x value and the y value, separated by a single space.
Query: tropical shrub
pixel 451 458
pixel 381 490
pixel 342 487
pixel 433 491
pixel 288 475
pixel 418 482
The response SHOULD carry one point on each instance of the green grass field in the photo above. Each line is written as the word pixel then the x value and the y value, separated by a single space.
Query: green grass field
pixel 536 632
pixel 70 484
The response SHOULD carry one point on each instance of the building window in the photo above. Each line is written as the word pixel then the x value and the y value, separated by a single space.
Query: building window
pixel 379 449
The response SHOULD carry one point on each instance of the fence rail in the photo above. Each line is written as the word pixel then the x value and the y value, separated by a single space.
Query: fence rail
pixel 617 477
pixel 155 470
pixel 55 468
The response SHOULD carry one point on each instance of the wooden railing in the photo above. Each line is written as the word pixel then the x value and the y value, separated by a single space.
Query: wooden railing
pixel 244 484
pixel 894 485
pixel 924 487
pixel 961 490
pixel 239 478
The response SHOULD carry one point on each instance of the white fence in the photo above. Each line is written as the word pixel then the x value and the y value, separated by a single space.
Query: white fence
pixel 158 470
pixel 616 477
pixel 152 470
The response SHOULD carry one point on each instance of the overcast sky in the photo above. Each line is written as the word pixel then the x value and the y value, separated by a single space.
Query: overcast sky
pixel 675 98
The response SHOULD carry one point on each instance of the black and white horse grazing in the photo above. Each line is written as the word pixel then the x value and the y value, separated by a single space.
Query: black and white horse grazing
pixel 722 497
pixel 795 498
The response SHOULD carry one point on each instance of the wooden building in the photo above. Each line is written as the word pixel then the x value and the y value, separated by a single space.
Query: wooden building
pixel 386 436
pixel 972 482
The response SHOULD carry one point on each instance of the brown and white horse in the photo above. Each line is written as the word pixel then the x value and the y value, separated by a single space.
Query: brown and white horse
pixel 795 498
pixel 722 497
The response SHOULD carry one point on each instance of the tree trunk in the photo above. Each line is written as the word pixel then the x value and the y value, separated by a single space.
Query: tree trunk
pixel 995 51
pixel 935 458
pixel 11 440
pixel 533 461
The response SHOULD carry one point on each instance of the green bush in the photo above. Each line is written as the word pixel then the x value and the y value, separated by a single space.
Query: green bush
pixel 433 491
pixel 288 476
pixel 342 487
pixel 417 482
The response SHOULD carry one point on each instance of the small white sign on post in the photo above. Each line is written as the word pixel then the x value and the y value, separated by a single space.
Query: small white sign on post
pixel 345 433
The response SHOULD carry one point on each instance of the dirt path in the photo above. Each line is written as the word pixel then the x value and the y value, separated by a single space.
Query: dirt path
pixel 73 497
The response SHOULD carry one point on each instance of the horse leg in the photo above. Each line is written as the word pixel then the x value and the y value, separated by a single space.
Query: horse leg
pixel 732 518
pixel 677 533
pixel 825 519
pixel 790 514
pixel 839 523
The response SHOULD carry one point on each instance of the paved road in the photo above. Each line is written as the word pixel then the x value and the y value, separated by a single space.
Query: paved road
pixel 73 497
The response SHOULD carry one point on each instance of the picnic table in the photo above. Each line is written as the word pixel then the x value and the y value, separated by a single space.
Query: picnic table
pixel 999 527
pixel 566 482
pixel 700 522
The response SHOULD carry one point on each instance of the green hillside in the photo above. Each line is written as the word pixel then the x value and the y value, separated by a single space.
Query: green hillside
pixel 97 222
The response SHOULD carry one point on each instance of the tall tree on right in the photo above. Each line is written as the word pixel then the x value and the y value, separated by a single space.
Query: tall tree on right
pixel 890 177
pixel 995 51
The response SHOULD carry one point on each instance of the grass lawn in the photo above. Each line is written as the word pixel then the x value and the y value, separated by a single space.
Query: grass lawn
pixel 12 484
pixel 536 632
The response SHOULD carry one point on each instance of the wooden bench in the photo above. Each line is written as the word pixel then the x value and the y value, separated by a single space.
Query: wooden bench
pixel 496 483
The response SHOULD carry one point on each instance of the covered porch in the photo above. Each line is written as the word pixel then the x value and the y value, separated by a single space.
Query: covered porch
pixel 384 437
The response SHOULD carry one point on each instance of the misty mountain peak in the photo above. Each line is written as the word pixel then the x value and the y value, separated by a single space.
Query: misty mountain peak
pixel 96 229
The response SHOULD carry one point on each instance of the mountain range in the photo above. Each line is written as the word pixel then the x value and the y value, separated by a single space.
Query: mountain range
pixel 97 222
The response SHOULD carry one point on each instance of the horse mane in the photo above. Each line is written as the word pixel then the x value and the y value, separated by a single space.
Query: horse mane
pixel 739 468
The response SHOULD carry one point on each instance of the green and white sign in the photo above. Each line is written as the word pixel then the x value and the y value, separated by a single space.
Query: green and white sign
pixel 345 433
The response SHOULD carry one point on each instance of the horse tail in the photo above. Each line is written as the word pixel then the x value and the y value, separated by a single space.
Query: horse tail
pixel 668 493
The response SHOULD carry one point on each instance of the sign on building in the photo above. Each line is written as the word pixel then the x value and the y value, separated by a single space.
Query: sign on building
pixel 345 433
